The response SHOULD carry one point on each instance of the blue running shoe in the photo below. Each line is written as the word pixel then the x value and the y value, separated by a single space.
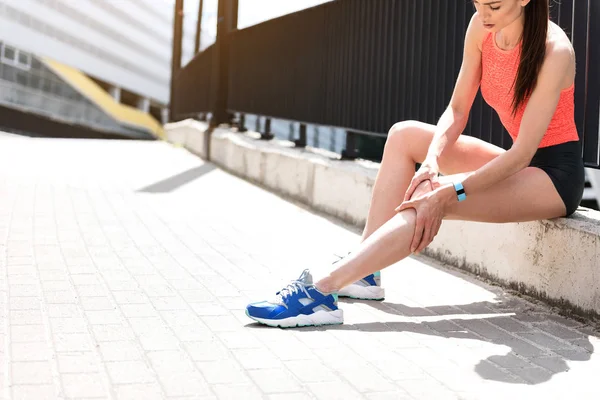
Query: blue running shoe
pixel 298 304
pixel 368 288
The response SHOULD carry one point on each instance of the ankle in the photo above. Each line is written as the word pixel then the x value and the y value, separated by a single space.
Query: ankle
pixel 326 285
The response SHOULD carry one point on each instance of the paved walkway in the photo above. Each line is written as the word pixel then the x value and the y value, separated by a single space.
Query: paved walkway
pixel 126 266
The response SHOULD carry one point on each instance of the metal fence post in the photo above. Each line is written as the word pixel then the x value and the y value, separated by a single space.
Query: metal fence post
pixel 199 28
pixel 227 17
pixel 242 123
pixel 350 153
pixel 176 55
pixel 301 142
pixel 267 135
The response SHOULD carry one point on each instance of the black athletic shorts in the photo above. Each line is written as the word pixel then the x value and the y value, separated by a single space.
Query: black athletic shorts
pixel 564 164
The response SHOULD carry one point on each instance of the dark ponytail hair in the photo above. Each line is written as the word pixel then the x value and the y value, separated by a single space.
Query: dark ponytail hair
pixel 533 50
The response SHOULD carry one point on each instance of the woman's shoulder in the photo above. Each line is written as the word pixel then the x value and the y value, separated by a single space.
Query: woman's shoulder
pixel 558 43
pixel 560 55
pixel 476 32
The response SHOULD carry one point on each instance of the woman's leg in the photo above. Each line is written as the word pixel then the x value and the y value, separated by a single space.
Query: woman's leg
pixel 407 144
pixel 528 195
pixel 387 245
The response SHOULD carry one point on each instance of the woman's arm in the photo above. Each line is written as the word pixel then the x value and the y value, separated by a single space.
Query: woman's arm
pixel 541 106
pixel 454 119
pixel 537 116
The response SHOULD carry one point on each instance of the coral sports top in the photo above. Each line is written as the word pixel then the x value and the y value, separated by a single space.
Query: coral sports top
pixel 499 71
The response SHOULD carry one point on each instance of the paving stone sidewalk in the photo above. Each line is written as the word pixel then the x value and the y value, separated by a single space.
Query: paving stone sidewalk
pixel 126 266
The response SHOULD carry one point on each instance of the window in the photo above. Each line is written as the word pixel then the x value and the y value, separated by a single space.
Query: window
pixel 22 78
pixel 24 59
pixel 47 85
pixel 34 82
pixel 8 53
pixel 35 64
pixel 12 56
pixel 7 74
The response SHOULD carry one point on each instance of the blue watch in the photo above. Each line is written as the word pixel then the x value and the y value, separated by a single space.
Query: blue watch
pixel 460 191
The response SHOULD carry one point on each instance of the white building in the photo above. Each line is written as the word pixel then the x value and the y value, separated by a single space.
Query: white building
pixel 121 46
pixel 124 43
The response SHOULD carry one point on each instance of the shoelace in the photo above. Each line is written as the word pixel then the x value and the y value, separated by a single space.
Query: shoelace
pixel 293 288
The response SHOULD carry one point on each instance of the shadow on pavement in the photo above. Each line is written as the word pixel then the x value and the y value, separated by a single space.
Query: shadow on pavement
pixel 570 343
pixel 176 181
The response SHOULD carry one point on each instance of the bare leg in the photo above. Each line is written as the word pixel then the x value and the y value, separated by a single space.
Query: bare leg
pixel 386 246
pixel 528 195
pixel 406 145
pixel 394 175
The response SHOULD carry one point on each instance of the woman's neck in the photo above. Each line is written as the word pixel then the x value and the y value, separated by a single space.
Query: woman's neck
pixel 510 36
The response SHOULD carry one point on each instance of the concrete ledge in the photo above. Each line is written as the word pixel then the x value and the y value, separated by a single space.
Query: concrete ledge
pixel 189 134
pixel 557 261
pixel 553 260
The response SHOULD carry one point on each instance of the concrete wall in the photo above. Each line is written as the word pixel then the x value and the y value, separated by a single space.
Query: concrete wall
pixel 555 260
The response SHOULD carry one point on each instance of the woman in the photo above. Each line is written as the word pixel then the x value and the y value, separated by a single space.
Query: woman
pixel 525 65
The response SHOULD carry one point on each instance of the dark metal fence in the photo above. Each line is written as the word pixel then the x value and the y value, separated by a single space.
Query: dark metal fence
pixel 195 86
pixel 364 65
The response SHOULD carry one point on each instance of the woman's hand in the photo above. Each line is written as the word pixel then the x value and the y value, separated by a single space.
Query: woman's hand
pixel 428 171
pixel 431 209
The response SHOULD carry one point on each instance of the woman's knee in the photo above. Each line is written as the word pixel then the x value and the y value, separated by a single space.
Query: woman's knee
pixel 401 129
pixel 405 133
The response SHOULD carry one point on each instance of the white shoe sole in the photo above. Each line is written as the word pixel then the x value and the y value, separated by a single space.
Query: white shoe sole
pixel 363 292
pixel 316 319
